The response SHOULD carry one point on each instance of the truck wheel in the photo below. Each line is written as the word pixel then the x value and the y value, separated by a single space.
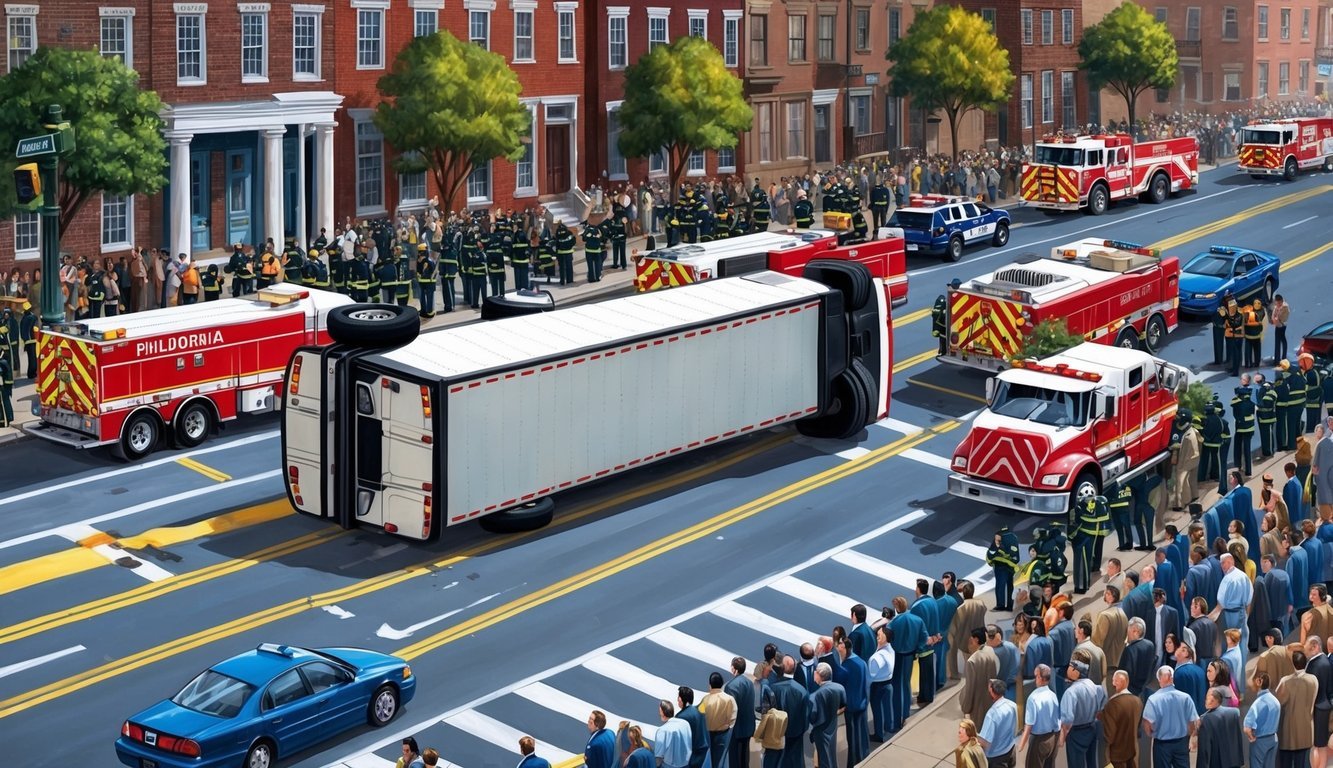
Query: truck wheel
pixel 1001 236
pixel 849 277
pixel 376 326
pixel 954 250
pixel 1128 339
pixel 846 412
pixel 869 388
pixel 1154 335
pixel 1085 485
pixel 193 424
pixel 1159 189
pixel 529 517
pixel 139 436
pixel 1289 170
pixel 1097 200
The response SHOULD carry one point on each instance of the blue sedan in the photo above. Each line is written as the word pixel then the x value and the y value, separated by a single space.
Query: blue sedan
pixel 268 703
pixel 1244 273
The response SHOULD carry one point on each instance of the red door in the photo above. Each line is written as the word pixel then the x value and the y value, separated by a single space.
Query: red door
pixel 557 159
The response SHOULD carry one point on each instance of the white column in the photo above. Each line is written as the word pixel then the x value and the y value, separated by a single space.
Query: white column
pixel 273 184
pixel 300 230
pixel 324 178
pixel 179 227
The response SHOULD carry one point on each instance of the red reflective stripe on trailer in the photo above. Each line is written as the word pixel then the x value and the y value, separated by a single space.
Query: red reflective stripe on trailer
pixel 633 462
pixel 674 338
pixel 490 508
pixel 694 444
pixel 595 357
pixel 659 454
pixel 546 368
pixel 747 322
pixel 711 439
pixel 562 364
pixel 509 503
pixel 658 343
pixel 492 379
pixel 691 335
pixel 566 484
pixel 528 372
pixel 729 434
pixel 457 518
pixel 619 467
pixel 455 390
pixel 474 384
pixel 602 472
pixel 780 313
pixel 677 449
pixel 627 350
pixel 509 376
pixel 578 360
pixel 811 409
pixel 705 331
pixel 747 428
pixel 584 479
pixel 643 345
pixel 794 414
pixel 765 422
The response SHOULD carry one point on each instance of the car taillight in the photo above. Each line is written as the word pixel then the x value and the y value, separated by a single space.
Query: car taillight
pixel 296 374
pixel 187 747
pixel 131 731
pixel 294 480
pixel 425 401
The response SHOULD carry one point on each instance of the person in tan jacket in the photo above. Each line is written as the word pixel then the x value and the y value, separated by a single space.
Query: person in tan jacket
pixel 1120 723
pixel 1275 659
pixel 967 617
pixel 1111 627
pixel 982 666
pixel 719 708
pixel 1295 729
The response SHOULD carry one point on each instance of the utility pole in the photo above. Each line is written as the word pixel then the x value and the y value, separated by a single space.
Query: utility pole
pixel 47 148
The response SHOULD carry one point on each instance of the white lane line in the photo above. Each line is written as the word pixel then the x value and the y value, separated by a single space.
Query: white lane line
pixel 673 639
pixel 764 624
pixel 878 568
pixel 368 761
pixel 389 633
pixel 969 549
pixel 899 426
pixel 40 660
pixel 491 730
pixel 137 508
pixel 339 612
pixel 851 454
pixel 414 727
pixel 815 595
pixel 1302 221
pixel 76 532
pixel 627 674
pixel 557 700
pixel 925 457
pixel 82 481
pixel 116 556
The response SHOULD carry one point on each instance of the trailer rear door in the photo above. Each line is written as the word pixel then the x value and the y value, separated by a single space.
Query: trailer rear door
pixel 393 450
pixel 304 436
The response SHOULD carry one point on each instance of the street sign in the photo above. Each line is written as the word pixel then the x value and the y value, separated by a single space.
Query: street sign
pixel 854 70
pixel 35 146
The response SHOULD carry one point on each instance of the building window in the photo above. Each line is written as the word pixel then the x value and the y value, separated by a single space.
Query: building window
pixel 699 24
pixel 861 114
pixel 1263 22
pixel 117 40
pixel 862 29
pixel 425 22
pixel 254 47
pixel 696 164
pixel 1068 108
pixel 766 132
pixel 189 48
pixel 1048 27
pixel 1025 99
pixel 657 31
pixel 1047 96
pixel 117 218
pixel 27 235
pixel 1160 14
pixel 759 40
pixel 1230 25
pixel 1025 19
pixel 795 129
pixel 1305 23
pixel 616 167
pixel 617 46
pixel 1283 78
pixel 523 35
pixel 726 160
pixel 479 184
pixel 370 38
pixel 1263 81
pixel 525 180
pixel 827 33
pixel 305 46
pixel 1284 23
pixel 1303 84
pixel 479 31
pixel 1231 81
pixel 657 163
pixel 369 167
pixel 988 16
pixel 796 38
pixel 731 38
pixel 412 187
pixel 565 33
pixel 1192 16
pixel 823 146
pixel 1067 26
pixel 895 25
pixel 22 39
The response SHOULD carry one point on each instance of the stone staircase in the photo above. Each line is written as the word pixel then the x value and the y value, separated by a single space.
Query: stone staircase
pixel 570 208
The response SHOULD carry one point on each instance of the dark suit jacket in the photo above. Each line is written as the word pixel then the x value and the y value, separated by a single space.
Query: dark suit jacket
pixel 1221 744
pixel 789 696
pixel 1139 603
pixel 856 682
pixel 1207 638
pixel 1197 580
pixel 863 641
pixel 1170 625
pixel 1322 670
pixel 1139 662
pixel 742 690
pixel 806 676
pixel 601 750
pixel 532 761
pixel 698 726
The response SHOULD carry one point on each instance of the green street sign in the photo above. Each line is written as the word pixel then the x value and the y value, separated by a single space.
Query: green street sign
pixel 35 146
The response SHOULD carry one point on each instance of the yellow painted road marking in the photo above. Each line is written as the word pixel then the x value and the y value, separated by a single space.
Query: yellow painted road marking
pixel 168 649
pixel 903 365
pixel 947 391
pixel 206 471
pixel 1304 257
pixel 910 317
pixel 1235 218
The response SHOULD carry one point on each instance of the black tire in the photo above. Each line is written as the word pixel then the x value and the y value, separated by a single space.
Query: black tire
pixel 1289 170
pixel 261 755
pixel 383 706
pixel 193 424
pixel 849 277
pixel 1128 338
pixel 139 436
pixel 1270 290
pixel 374 326
pixel 869 387
pixel 1085 480
pixel 1098 199
pixel 846 412
pixel 1001 237
pixel 528 517
pixel 1154 334
pixel 1159 189
pixel 954 250
pixel 500 307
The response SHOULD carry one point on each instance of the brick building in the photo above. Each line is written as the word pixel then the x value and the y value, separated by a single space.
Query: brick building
pixel 621 32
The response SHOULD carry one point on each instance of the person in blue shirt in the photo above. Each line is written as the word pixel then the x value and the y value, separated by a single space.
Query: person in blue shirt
pixel 600 751
pixel 1041 721
pixel 908 638
pixel 1261 724
pixel 822 711
pixel 1008 657
pixel 1242 506
pixel 1062 646
pixel 672 744
pixel 741 689
pixel 1233 600
pixel 1168 578
pixel 999 725
pixel 927 610
pixel 1278 585
pixel 945 606
pixel 1293 494
pixel 1190 677
pixel 527 746
pixel 1314 552
pixel 1080 709
pixel 1040 650
pixel 1198 579
pixel 1298 572
pixel 1169 718
pixel 856 686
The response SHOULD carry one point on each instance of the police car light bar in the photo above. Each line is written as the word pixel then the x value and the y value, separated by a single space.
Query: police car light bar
pixel 1225 250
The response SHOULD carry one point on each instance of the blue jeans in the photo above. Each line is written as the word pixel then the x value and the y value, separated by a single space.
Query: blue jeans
pixel 1171 753
pixel 1081 746
pixel 1263 752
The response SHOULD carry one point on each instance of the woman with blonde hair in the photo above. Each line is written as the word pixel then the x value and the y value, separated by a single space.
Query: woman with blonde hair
pixel 968 753
pixel 1243 562
pixel 637 753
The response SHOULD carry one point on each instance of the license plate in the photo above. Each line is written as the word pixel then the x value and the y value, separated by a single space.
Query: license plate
pixel 911 246
pixel 145 763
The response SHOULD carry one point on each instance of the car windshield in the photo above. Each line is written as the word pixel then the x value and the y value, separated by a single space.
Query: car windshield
pixel 214 693
pixel 1044 406
pixel 1256 136
pixel 1210 265
pixel 911 220
pixel 1057 155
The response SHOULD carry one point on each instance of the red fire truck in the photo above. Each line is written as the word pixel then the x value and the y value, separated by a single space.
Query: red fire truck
pixel 787 252
pixel 1109 291
pixel 1072 172
pixel 128 381
pixel 1285 147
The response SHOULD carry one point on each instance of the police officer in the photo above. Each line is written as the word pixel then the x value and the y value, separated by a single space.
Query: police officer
pixel 1314 390
pixel 564 253
pixel 1223 450
pixel 28 337
pixel 1121 503
pixel 242 270
pixel 614 230
pixel 1002 557
pixel 879 204
pixel 1235 336
pixel 1243 411
pixel 1282 392
pixel 1209 468
pixel 1267 413
pixel 211 283
pixel 594 251
pixel 1254 334
pixel 803 211
pixel 1219 334
pixel 1295 403
pixel 358 277
pixel 6 390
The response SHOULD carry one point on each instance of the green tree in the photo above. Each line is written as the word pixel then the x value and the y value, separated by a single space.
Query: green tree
pixel 448 106
pixel 1130 51
pixel 118 131
pixel 951 60
pixel 681 98
pixel 1048 337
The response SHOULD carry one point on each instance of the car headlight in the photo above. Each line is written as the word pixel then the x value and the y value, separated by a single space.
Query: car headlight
pixel 1207 296
pixel 1053 481
pixel 407 672
pixel 960 462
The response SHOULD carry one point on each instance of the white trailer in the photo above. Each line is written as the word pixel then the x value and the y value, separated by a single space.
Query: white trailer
pixel 494 418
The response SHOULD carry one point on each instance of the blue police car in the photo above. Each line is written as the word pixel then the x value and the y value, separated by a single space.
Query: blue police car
pixel 1244 273
pixel 943 224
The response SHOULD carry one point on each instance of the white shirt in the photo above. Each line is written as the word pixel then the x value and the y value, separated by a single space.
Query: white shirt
pixel 1159 629
pixel 881 665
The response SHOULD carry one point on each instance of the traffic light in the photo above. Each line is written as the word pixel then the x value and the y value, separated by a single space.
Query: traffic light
pixel 28 186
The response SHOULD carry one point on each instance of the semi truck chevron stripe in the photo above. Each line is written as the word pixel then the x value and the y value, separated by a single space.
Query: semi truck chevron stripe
pixel 980 325
pixel 67 375
pixel 653 274
pixel 1049 183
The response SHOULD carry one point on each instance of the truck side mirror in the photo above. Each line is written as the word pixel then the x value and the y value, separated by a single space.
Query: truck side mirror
pixel 1108 406
pixel 990 388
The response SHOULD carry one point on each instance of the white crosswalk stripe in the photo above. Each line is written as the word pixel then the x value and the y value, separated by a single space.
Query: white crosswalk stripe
pixel 878 568
pixel 491 730
pixel 815 595
pixel 576 708
pixel 625 673
pixel 692 647
pixel 764 624
pixel 925 457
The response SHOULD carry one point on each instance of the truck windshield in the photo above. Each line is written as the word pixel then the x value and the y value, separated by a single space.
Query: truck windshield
pixel 1256 136
pixel 1057 155
pixel 911 219
pixel 1044 406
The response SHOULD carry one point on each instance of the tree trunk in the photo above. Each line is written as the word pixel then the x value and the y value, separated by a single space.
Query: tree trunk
pixel 677 157
pixel 70 204
pixel 953 115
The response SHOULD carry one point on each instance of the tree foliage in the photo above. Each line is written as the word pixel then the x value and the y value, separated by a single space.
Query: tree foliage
pixel 448 106
pixel 117 126
pixel 1129 51
pixel 1048 337
pixel 951 60
pixel 1195 397
pixel 681 98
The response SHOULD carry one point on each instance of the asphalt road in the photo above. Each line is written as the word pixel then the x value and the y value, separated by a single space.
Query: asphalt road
pixel 118 583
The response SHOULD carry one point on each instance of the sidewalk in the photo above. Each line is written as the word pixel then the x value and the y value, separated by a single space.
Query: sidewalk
pixel 929 736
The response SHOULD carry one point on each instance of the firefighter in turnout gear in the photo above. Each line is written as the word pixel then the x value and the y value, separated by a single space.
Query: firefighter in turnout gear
pixel 1235 335
pixel 858 233
pixel 386 272
pixel 1002 557
pixel 520 257
pixel 1295 406
pixel 402 291
pixel 242 270
pixel 594 251
pixel 448 268
pixel 1209 467
pixel 1266 412
pixel 1254 334
pixel 1314 390
pixel 1091 521
pixel 473 266
pixel 879 205
pixel 1219 335
pixel 317 272
pixel 1121 503
pixel 28 325
pixel 211 283
pixel 685 222
pixel 1048 554
pixel 1243 410
pixel 1223 451
pixel 763 210
pixel 1282 392
pixel 564 253
pixel 496 253
pixel 803 211
pixel 6 391
pixel 308 270
pixel 426 281
pixel 546 257
pixel 939 317
pixel 293 263
pixel 338 270
pixel 358 278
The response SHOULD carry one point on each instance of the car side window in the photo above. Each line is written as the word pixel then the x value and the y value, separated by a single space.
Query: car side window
pixel 971 210
pixel 321 676
pixel 286 688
